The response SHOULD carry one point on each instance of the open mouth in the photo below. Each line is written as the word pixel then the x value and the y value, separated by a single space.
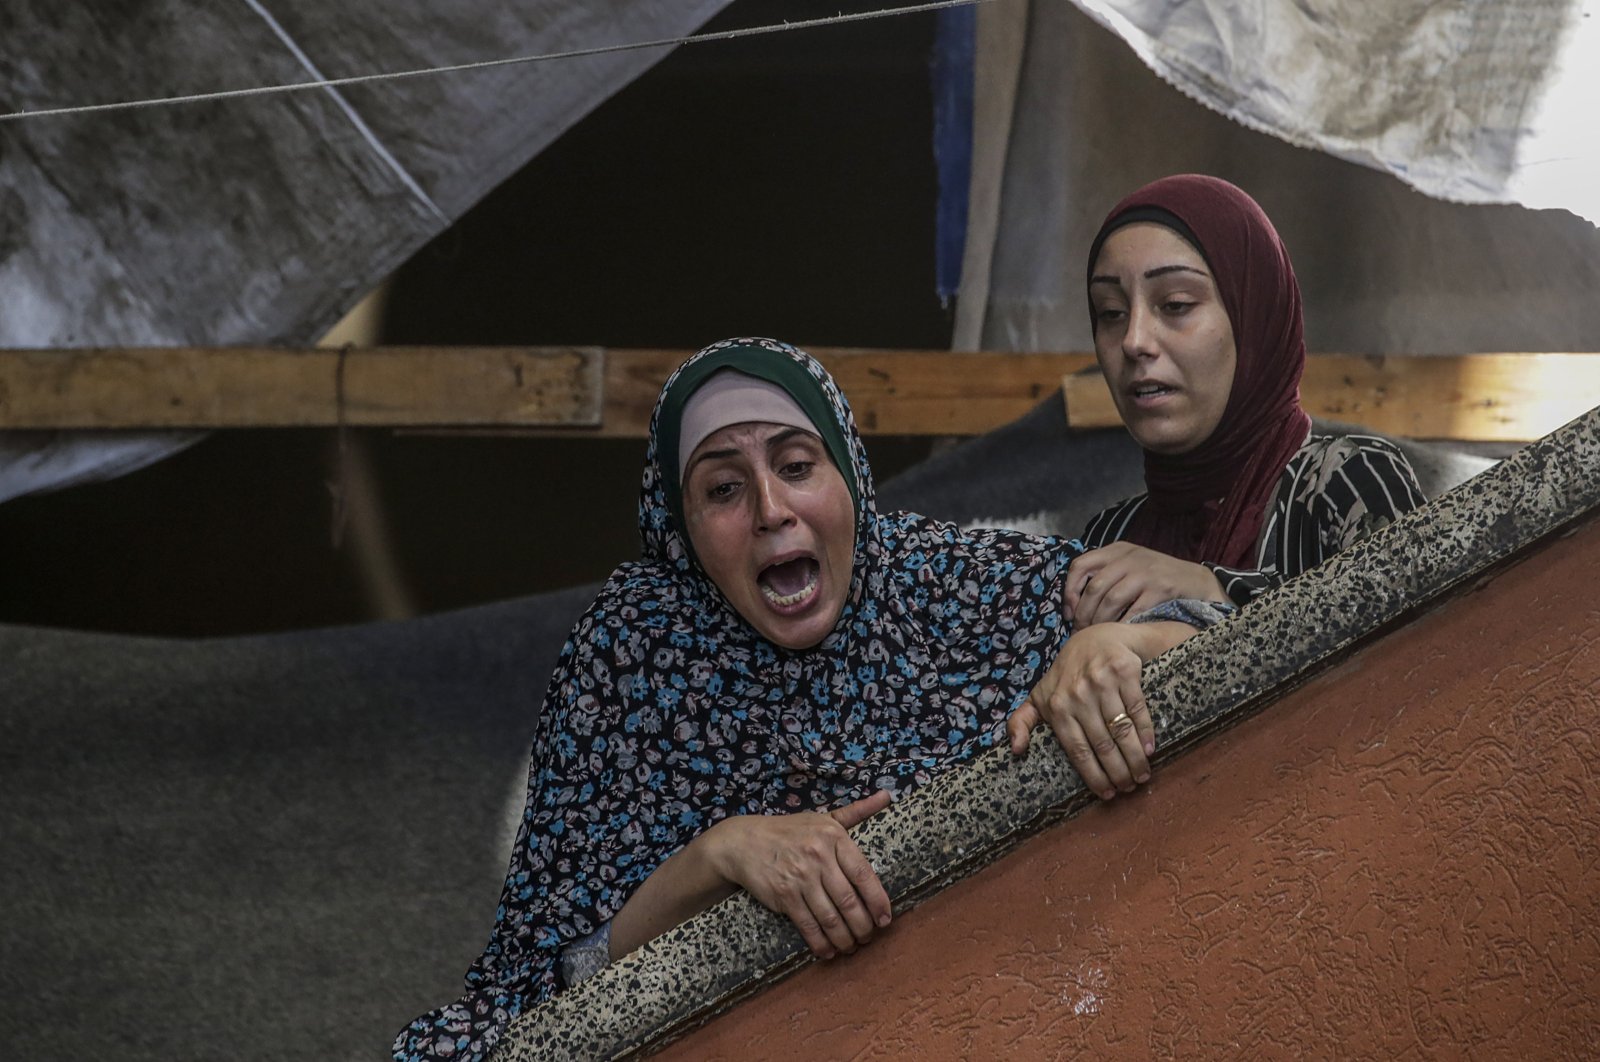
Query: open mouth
pixel 1150 392
pixel 789 583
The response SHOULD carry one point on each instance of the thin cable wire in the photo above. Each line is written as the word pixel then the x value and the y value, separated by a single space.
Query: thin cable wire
pixel 577 53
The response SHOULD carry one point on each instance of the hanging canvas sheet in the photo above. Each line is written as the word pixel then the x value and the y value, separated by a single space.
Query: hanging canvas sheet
pixel 1486 102
pixel 261 219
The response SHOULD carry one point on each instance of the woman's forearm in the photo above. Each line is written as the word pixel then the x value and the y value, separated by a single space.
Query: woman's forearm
pixel 1152 639
pixel 679 889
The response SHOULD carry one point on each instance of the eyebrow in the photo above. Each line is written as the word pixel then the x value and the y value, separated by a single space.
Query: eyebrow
pixel 1151 274
pixel 784 436
pixel 775 440
pixel 1161 271
pixel 706 455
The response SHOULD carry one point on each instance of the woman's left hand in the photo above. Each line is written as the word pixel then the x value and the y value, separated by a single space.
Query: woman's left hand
pixel 1107 584
pixel 1092 699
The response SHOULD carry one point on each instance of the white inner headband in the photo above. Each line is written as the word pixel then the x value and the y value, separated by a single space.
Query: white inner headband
pixel 732 397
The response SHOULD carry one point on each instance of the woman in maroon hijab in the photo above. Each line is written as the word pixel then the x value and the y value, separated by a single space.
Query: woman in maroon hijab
pixel 1198 330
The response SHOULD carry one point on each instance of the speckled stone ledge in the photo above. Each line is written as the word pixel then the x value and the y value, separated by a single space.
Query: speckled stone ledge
pixel 970 817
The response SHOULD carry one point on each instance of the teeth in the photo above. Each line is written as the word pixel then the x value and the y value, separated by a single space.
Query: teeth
pixel 789 599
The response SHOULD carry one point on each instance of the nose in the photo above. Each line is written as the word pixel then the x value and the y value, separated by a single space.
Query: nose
pixel 772 510
pixel 1138 338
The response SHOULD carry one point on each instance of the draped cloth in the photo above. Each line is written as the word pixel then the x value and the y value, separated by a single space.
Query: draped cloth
pixel 667 712
pixel 1209 504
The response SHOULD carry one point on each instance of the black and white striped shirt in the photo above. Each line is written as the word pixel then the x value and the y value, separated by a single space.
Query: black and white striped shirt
pixel 1336 490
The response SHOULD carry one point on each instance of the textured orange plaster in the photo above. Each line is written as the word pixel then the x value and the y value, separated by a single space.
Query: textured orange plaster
pixel 1399 860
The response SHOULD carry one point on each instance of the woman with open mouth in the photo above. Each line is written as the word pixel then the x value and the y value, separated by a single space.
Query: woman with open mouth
pixel 782 662
pixel 1198 329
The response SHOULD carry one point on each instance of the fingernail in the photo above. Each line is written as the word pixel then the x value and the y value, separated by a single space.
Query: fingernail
pixel 1108 794
pixel 883 920
pixel 1149 746
pixel 1143 778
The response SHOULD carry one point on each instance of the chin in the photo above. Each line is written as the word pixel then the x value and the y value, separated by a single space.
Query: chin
pixel 795 645
pixel 1164 447
pixel 805 633
pixel 1161 439
pixel 798 638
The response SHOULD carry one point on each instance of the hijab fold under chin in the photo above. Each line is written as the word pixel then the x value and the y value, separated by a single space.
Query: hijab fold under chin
pixel 1210 503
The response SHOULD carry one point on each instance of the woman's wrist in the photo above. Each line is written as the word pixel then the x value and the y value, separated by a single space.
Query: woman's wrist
pixel 692 879
pixel 710 852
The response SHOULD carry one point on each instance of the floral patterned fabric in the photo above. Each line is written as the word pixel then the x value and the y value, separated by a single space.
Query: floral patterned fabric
pixel 668 712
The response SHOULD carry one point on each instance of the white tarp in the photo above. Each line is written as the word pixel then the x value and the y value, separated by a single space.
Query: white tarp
pixel 1069 118
pixel 262 219
pixel 1489 101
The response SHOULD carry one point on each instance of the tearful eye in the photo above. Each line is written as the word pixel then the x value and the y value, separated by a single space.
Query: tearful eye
pixel 797 469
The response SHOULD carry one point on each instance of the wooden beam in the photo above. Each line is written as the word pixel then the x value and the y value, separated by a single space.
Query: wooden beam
pixel 590 391
pixel 891 392
pixel 257 387
pixel 1484 397
pixel 606 393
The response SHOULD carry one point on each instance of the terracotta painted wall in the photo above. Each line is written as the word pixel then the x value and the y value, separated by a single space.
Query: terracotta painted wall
pixel 1400 860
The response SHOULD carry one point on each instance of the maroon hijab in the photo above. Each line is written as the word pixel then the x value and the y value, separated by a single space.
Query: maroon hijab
pixel 1209 504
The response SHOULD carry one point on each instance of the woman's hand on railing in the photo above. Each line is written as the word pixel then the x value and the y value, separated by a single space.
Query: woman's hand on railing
pixel 1092 700
pixel 806 867
pixel 1120 580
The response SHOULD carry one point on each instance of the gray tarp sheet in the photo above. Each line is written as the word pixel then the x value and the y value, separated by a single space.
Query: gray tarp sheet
pixel 263 219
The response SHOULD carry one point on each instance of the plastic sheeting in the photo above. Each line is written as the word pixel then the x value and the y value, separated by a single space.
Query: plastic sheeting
pixel 1487 102
pixel 1068 119
pixel 262 219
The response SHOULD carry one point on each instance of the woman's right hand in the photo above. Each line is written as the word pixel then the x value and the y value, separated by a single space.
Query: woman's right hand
pixel 1119 580
pixel 806 867
pixel 1092 700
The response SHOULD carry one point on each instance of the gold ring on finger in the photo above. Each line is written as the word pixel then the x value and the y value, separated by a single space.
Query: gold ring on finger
pixel 1120 722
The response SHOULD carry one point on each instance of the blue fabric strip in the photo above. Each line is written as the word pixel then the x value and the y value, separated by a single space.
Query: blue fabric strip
pixel 951 73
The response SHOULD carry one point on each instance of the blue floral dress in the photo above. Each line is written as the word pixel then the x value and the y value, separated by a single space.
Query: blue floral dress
pixel 667 712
